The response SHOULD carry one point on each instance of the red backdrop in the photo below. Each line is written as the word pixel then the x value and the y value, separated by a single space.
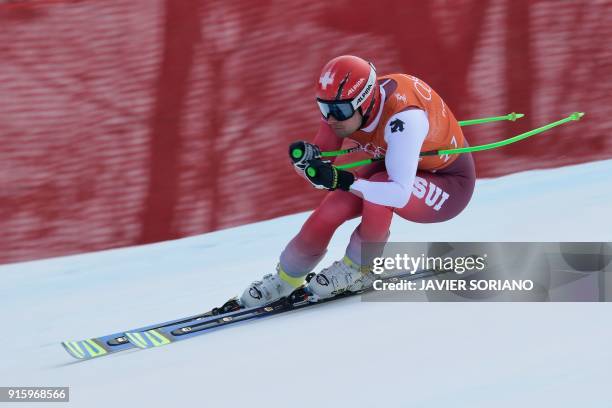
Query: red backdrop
pixel 133 121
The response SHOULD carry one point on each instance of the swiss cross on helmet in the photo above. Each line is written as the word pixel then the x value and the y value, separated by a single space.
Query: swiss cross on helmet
pixel 346 84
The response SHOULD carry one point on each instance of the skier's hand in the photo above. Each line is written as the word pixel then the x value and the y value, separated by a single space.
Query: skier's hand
pixel 322 174
pixel 300 152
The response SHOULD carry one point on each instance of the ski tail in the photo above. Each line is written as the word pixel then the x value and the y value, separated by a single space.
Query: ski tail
pixel 85 349
pixel 148 339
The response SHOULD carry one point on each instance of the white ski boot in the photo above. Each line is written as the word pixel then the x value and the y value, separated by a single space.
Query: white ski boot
pixel 270 288
pixel 342 276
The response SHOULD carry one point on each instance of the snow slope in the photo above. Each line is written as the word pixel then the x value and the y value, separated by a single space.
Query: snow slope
pixel 347 353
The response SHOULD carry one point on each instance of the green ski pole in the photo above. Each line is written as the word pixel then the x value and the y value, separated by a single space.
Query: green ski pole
pixel 511 117
pixel 494 145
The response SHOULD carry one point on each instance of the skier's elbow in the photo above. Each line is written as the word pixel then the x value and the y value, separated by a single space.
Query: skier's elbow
pixel 402 196
pixel 403 200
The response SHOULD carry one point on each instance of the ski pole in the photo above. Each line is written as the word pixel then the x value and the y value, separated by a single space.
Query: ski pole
pixel 494 145
pixel 511 117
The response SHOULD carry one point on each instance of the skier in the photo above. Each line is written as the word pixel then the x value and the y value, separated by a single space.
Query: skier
pixel 399 116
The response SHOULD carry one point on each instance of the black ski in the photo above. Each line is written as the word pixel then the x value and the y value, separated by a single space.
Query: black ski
pixel 299 299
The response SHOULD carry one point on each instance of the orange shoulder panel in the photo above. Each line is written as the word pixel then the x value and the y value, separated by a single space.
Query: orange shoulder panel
pixel 409 93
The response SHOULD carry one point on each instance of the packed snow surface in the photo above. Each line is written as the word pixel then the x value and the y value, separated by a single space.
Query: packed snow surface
pixel 347 353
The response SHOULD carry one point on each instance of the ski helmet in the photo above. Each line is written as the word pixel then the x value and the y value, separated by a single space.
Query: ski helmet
pixel 346 84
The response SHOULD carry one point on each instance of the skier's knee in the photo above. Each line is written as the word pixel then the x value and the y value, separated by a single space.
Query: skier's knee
pixel 336 209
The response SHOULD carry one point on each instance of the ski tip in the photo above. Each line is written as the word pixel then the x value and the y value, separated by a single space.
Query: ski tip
pixel 147 339
pixel 84 349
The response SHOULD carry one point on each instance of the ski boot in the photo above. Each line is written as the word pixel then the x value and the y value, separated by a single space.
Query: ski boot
pixel 270 288
pixel 342 276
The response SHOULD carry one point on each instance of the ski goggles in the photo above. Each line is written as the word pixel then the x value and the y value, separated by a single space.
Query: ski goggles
pixel 346 108
pixel 340 110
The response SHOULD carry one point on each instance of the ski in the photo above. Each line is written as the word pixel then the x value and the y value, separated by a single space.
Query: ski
pixel 160 334
pixel 299 299
pixel 112 343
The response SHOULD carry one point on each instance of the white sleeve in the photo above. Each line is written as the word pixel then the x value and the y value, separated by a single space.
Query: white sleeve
pixel 404 133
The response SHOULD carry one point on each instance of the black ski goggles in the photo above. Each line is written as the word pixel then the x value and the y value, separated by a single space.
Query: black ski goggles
pixel 340 110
